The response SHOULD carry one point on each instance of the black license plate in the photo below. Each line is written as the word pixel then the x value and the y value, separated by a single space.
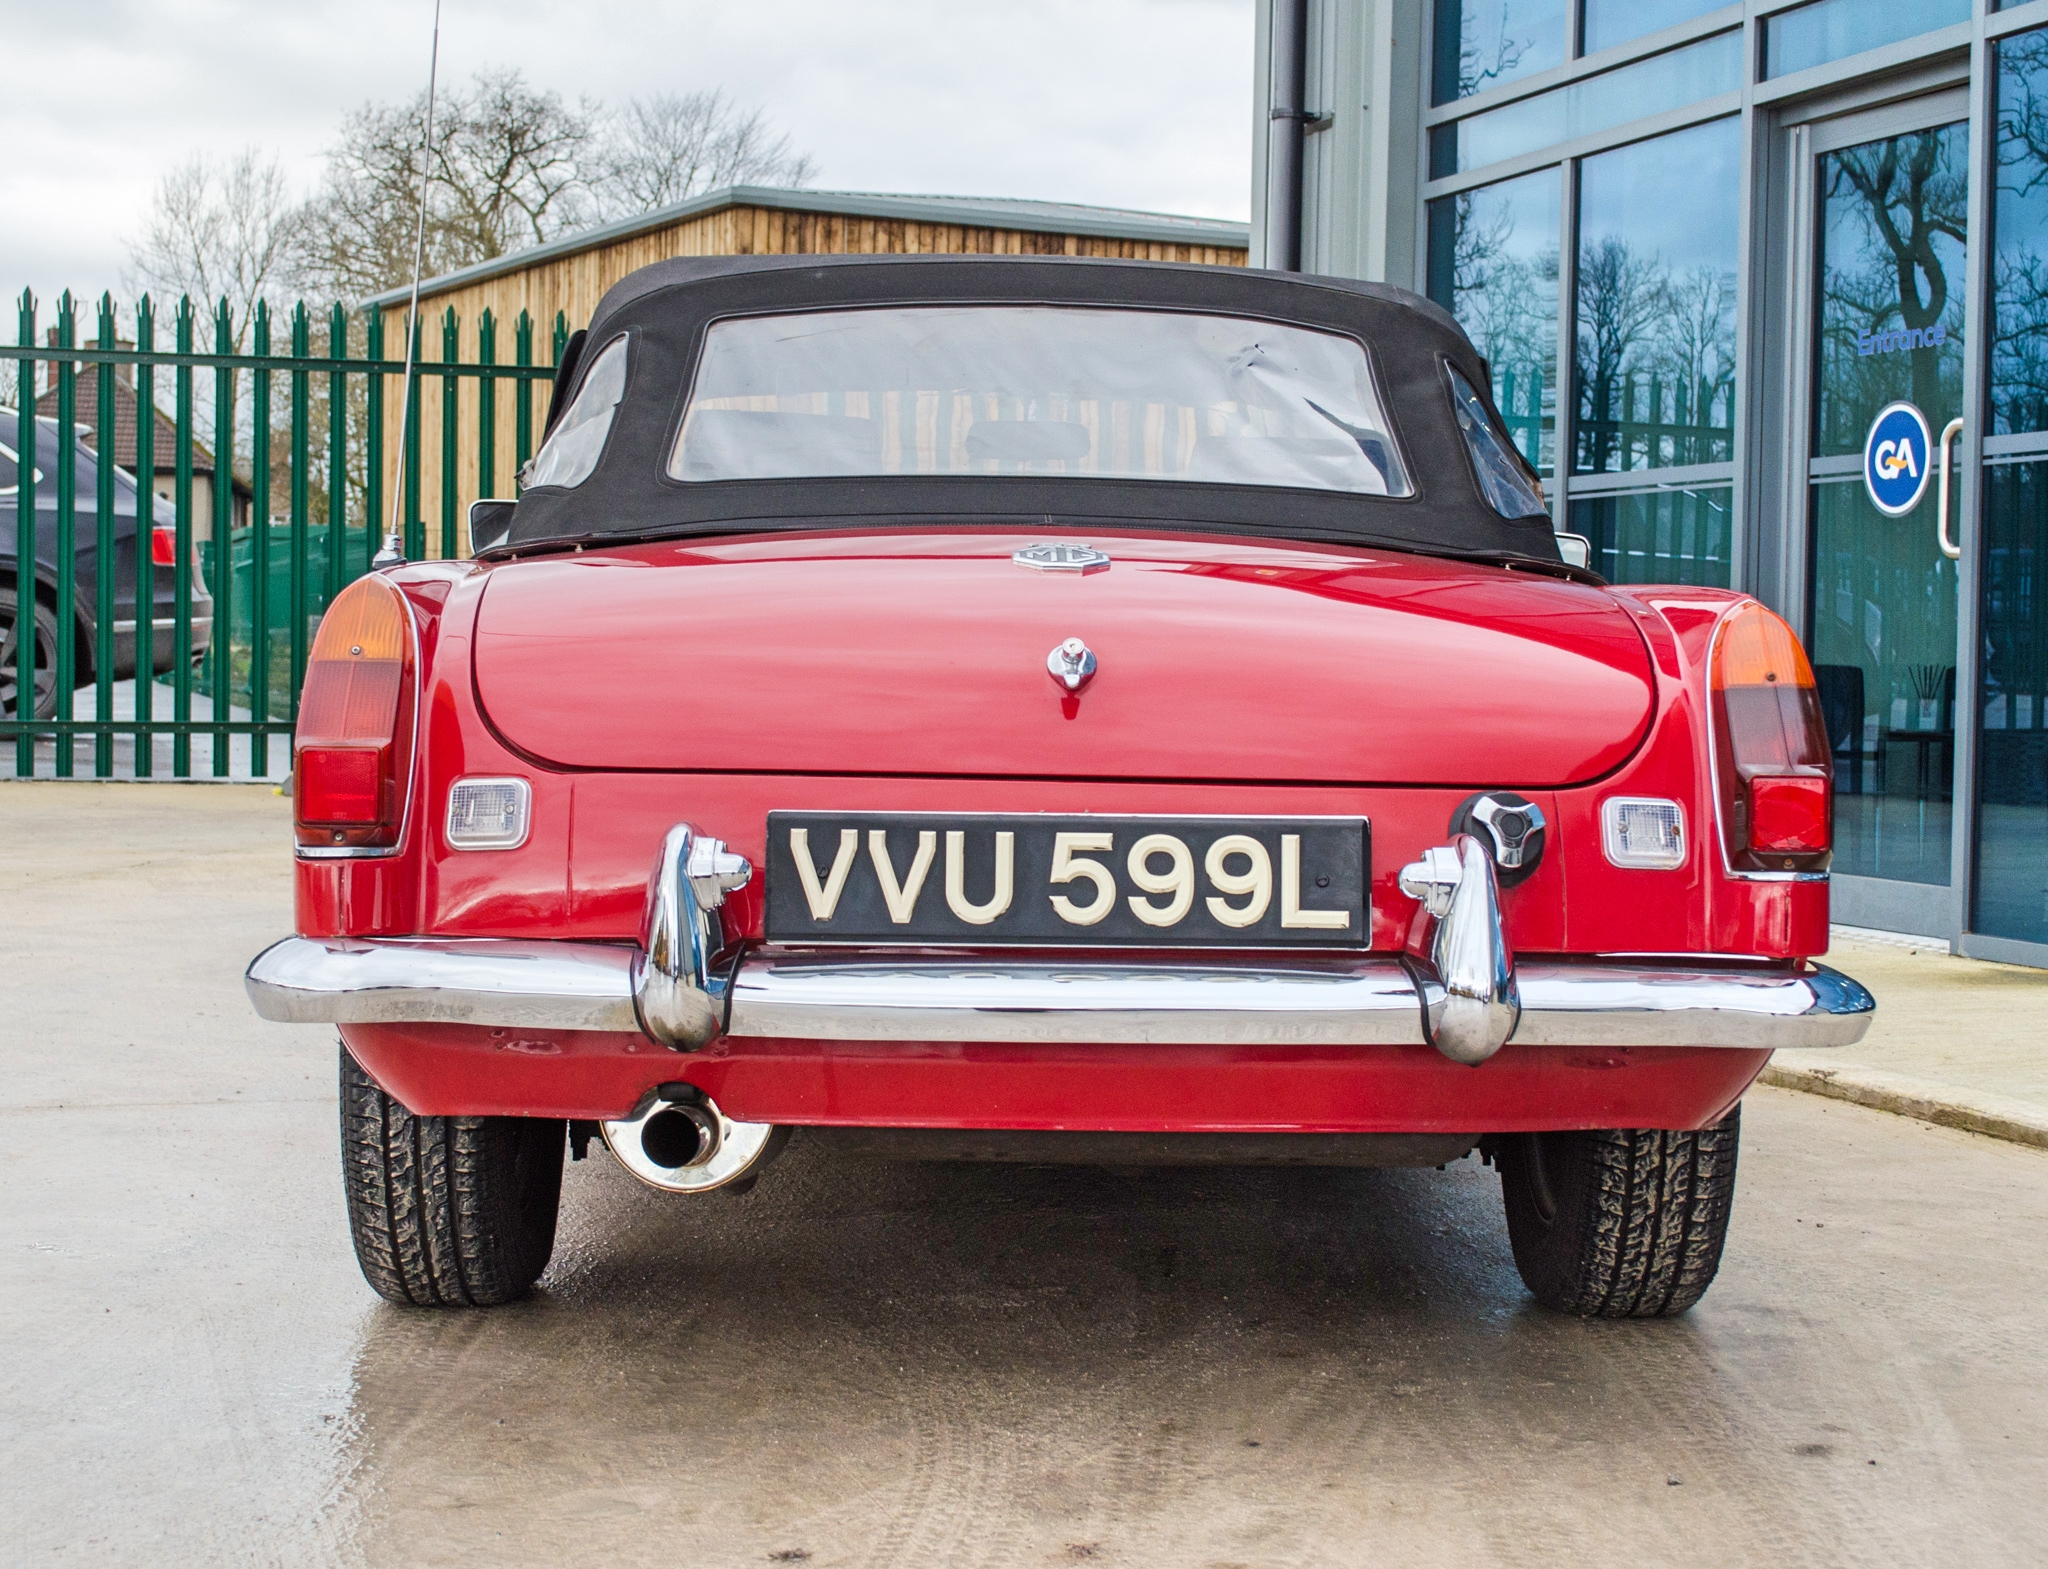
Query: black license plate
pixel 1001 880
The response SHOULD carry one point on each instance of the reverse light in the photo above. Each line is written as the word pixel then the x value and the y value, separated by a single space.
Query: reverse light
pixel 1773 765
pixel 488 814
pixel 353 756
pixel 1643 832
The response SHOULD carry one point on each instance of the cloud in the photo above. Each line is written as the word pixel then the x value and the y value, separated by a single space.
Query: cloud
pixel 1134 103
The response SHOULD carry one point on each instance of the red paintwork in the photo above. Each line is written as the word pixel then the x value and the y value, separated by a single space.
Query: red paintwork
pixel 458 1070
pixel 924 654
pixel 582 873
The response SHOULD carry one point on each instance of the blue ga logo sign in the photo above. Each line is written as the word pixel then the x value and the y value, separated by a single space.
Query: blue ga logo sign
pixel 1895 457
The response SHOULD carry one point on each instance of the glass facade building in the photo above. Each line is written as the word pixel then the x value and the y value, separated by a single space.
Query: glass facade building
pixel 1702 246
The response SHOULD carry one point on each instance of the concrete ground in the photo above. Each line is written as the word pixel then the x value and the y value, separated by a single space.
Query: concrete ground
pixel 867 1364
pixel 1960 1041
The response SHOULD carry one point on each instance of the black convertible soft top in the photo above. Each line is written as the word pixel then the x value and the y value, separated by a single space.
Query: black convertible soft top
pixel 668 307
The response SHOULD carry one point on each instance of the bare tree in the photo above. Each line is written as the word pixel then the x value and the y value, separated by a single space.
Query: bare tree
pixel 516 166
pixel 228 229
pixel 505 175
pixel 665 149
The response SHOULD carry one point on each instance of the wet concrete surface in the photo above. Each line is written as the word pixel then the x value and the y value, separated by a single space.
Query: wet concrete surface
pixel 876 1364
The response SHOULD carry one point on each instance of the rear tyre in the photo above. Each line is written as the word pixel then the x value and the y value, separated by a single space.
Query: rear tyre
pixel 447 1211
pixel 45 623
pixel 1620 1223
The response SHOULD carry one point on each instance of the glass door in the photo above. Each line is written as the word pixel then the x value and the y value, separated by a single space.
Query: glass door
pixel 2010 889
pixel 1888 283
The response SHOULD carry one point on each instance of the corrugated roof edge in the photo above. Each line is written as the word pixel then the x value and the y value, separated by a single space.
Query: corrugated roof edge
pixel 984 212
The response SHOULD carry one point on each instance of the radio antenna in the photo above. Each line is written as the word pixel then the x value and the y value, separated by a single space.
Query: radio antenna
pixel 394 541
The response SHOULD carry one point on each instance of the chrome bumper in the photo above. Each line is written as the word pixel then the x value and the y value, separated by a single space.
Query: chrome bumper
pixel 869 997
pixel 1458 990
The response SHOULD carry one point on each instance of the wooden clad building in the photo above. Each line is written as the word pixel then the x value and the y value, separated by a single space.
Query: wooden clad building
pixel 570 275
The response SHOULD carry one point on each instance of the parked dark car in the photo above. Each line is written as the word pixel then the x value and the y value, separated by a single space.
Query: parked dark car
pixel 119 643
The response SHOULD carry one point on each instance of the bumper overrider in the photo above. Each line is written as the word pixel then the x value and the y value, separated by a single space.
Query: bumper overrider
pixel 1456 988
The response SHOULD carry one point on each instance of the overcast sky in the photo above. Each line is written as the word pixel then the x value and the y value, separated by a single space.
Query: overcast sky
pixel 1131 103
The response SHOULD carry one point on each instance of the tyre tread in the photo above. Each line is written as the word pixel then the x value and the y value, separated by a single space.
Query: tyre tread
pixel 1641 1217
pixel 446 1211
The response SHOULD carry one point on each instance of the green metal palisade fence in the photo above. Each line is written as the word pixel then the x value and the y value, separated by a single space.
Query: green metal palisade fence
pixel 297 443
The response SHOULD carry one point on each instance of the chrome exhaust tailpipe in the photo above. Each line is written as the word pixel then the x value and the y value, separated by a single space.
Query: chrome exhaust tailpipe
pixel 679 1141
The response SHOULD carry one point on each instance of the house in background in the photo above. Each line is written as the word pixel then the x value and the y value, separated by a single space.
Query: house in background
pixel 164 465
pixel 568 277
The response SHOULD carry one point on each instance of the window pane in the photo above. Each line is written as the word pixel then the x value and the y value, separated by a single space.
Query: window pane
pixel 2019 254
pixel 571 451
pixel 1493 265
pixel 1482 43
pixel 1893 214
pixel 1835 29
pixel 1655 332
pixel 2012 777
pixel 1611 22
pixel 1040 390
pixel 1502 480
pixel 1664 81
pixel 1884 653
pixel 1659 536
pixel 1598 103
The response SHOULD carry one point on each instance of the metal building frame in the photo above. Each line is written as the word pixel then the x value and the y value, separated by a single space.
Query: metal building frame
pixel 1365 184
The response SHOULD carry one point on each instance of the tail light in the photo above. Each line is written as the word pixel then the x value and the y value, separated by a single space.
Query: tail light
pixel 163 546
pixel 354 738
pixel 1771 752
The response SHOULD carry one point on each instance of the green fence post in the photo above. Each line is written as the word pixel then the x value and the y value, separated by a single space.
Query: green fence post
pixel 337 454
pixel 373 435
pixel 220 647
pixel 145 538
pixel 66 565
pixel 103 549
pixel 25 544
pixel 522 399
pixel 561 339
pixel 301 348
pixel 486 408
pixel 181 634
pixel 451 388
pixel 261 662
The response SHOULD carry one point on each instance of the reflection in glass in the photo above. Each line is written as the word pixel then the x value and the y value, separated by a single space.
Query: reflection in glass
pixel 1893 214
pixel 1493 265
pixel 1655 335
pixel 1629 92
pixel 2019 253
pixel 1483 43
pixel 1884 650
pixel 1835 29
pixel 2012 768
pixel 1611 22
pixel 1667 535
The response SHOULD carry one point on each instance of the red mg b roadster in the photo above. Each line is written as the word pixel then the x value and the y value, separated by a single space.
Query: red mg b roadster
pixel 1047 710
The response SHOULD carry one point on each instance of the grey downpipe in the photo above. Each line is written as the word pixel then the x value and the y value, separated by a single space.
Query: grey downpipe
pixel 1284 137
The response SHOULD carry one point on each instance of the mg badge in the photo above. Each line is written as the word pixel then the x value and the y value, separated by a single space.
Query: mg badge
pixel 1049 557
pixel 1071 664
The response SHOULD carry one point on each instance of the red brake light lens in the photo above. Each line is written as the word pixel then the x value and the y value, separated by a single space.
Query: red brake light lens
pixel 163 547
pixel 354 737
pixel 1775 767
